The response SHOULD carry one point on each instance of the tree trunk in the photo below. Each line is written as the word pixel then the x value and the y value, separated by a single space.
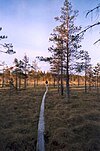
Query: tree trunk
pixel 85 82
pixel 67 84
pixel 58 82
pixel 25 83
pixel 67 66
pixel 54 82
pixel 16 85
pixel 62 89
pixel 19 83
pixel 67 76
pixel 78 80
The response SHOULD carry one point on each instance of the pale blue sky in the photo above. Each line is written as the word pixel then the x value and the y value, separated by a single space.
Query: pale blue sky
pixel 93 34
pixel 28 24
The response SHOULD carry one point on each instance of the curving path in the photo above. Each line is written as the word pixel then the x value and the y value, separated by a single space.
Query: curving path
pixel 41 126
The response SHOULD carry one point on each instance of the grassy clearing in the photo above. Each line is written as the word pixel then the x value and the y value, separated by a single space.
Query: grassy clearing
pixel 19 114
pixel 73 126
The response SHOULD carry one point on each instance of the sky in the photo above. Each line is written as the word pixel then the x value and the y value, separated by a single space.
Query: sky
pixel 29 23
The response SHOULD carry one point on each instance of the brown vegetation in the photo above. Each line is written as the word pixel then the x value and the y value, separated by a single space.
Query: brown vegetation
pixel 19 114
pixel 74 126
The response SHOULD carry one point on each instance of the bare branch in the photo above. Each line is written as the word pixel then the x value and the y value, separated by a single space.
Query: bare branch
pixel 90 26
pixel 92 10
pixel 97 41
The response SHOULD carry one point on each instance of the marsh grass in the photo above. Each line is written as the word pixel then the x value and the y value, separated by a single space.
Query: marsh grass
pixel 19 113
pixel 73 126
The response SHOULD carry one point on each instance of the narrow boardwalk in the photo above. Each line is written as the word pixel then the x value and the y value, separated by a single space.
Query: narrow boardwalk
pixel 41 127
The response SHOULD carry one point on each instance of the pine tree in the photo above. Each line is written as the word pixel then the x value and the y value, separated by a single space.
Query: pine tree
pixel 97 75
pixel 67 43
pixel 85 65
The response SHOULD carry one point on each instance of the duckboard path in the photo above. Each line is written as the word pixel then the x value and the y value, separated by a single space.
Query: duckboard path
pixel 41 126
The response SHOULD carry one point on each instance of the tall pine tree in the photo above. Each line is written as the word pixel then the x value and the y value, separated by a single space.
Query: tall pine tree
pixel 66 40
